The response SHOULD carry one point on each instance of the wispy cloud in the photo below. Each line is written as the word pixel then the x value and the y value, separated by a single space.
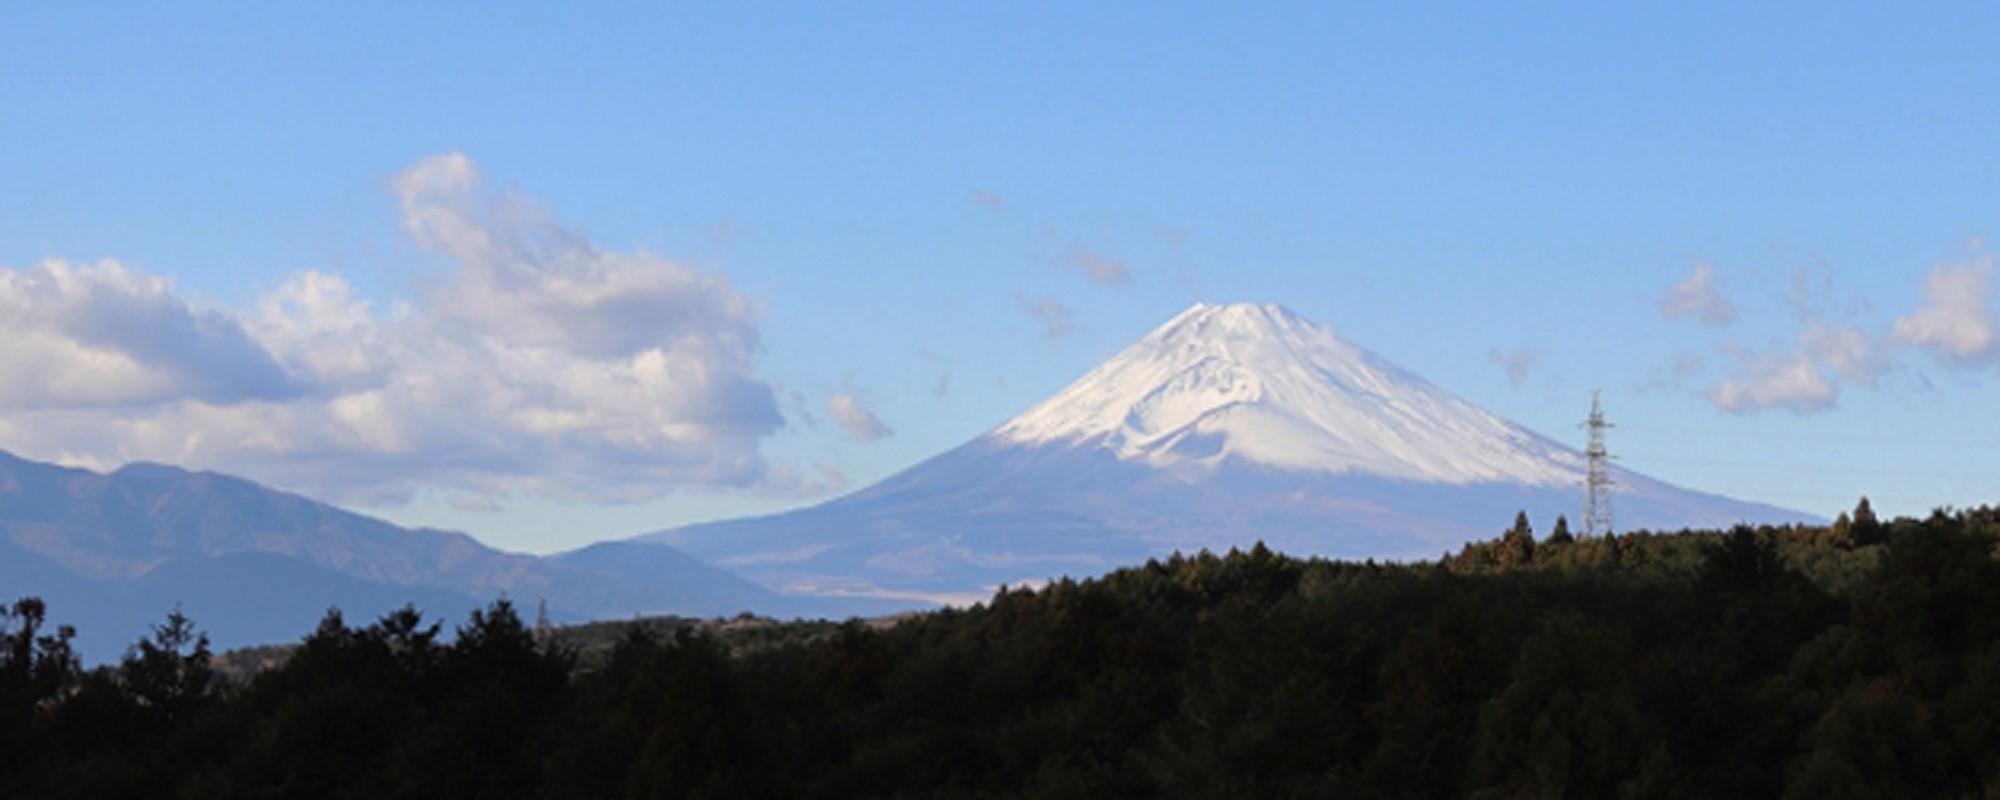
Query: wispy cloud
pixel 723 232
pixel 533 282
pixel 1518 363
pixel 474 503
pixel 1808 374
pixel 536 362
pixel 1686 367
pixel 1806 378
pixel 942 386
pixel 1699 296
pixel 1675 375
pixel 987 200
pixel 860 424
pixel 797 408
pixel 1789 381
pixel 1955 324
pixel 1056 318
pixel 1098 267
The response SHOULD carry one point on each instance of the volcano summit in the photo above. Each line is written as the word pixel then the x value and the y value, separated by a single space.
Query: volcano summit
pixel 1225 426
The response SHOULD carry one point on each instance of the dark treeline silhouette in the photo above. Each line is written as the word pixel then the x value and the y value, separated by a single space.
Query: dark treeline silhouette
pixel 1854 660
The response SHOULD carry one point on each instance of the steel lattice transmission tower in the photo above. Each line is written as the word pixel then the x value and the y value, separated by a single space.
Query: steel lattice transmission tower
pixel 1597 475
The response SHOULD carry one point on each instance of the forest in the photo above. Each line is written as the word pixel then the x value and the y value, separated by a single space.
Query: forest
pixel 1860 659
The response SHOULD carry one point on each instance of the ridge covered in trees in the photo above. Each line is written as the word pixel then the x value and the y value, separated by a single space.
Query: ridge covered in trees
pixel 1858 659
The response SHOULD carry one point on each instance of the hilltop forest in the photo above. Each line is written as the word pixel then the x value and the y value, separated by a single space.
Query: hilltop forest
pixel 1860 659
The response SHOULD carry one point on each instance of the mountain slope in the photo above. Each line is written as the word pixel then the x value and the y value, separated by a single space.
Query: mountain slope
pixel 1259 384
pixel 1225 426
pixel 114 553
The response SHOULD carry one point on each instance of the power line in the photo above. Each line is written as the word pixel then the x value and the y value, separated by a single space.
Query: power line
pixel 1844 501
pixel 1792 437
pixel 1813 468
pixel 1970 487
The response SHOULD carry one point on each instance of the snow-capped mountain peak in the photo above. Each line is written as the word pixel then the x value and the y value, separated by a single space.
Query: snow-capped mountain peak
pixel 1227 425
pixel 1259 384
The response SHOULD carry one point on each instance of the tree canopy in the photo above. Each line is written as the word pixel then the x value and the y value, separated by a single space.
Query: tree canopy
pixel 1753 662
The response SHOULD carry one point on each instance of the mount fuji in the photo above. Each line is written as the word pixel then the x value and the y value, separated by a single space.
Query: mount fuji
pixel 1225 426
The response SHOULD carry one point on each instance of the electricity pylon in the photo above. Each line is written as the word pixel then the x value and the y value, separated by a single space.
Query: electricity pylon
pixel 1597 475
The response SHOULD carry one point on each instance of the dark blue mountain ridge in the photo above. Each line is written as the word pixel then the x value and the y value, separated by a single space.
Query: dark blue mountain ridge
pixel 114 552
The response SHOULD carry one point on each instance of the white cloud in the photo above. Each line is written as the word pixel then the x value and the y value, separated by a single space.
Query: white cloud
pixel 1789 381
pixel 1955 324
pixel 860 423
pixel 1805 376
pixel 1804 379
pixel 1844 351
pixel 1956 321
pixel 103 335
pixel 536 363
pixel 313 326
pixel 1699 296
pixel 523 277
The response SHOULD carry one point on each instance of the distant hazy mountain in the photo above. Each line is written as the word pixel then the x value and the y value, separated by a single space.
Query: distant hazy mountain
pixel 1227 425
pixel 113 553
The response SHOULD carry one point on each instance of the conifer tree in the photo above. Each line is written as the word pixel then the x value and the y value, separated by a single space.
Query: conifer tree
pixel 1867 529
pixel 168 673
pixel 1517 546
pixel 36 668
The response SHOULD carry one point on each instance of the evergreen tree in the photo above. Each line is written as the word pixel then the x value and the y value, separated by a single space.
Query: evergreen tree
pixel 1517 546
pixel 1561 534
pixel 36 670
pixel 1866 528
pixel 1521 526
pixel 1765 662
pixel 168 674
pixel 1864 514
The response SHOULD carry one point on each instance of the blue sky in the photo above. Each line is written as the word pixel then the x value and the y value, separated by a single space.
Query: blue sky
pixel 551 275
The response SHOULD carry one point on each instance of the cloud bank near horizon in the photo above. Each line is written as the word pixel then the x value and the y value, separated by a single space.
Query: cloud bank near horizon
pixel 533 362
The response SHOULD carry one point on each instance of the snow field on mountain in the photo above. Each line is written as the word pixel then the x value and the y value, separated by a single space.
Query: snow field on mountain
pixel 1261 384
